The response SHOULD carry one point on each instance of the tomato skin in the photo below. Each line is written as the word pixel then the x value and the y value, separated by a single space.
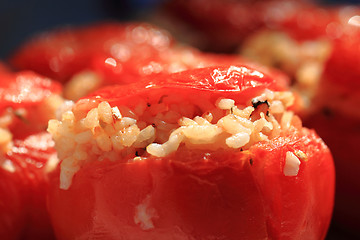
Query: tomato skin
pixel 205 196
pixel 240 82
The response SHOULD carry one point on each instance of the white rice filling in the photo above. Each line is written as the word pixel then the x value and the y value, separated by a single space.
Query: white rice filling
pixel 303 60
pixel 120 133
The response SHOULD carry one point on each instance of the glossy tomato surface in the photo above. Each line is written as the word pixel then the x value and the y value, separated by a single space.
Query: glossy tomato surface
pixel 198 194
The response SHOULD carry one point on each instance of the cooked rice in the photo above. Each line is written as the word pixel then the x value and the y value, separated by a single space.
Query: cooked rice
pixel 302 60
pixel 81 85
pixel 122 134
pixel 5 140
pixel 292 165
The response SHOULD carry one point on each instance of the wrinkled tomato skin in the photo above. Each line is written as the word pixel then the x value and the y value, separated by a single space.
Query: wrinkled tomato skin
pixel 218 195
pixel 12 204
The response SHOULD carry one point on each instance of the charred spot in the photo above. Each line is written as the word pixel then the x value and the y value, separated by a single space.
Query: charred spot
pixel 148 104
pixel 232 110
pixel 154 125
pixel 260 107
pixel 140 152
pixel 327 112
pixel 251 161
pixel 256 103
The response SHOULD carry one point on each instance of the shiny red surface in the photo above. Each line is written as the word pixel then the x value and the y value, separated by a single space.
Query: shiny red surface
pixel 195 194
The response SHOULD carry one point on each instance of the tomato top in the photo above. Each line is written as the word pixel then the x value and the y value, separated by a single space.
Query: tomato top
pixel 24 89
pixel 239 82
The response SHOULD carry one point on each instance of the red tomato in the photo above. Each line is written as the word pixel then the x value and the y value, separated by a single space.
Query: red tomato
pixel 199 194
pixel 218 196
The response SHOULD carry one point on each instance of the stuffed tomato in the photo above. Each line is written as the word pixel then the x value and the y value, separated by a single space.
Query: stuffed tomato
pixel 212 153
pixel 27 101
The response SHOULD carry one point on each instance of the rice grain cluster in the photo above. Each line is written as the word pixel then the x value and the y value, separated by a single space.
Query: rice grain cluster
pixel 118 133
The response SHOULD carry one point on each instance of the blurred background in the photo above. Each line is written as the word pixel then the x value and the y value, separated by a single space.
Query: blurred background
pixel 20 19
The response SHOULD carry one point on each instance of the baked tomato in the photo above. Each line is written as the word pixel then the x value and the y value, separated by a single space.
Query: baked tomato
pixel 212 153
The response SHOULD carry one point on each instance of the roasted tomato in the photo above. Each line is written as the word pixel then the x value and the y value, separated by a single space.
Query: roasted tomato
pixel 211 153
